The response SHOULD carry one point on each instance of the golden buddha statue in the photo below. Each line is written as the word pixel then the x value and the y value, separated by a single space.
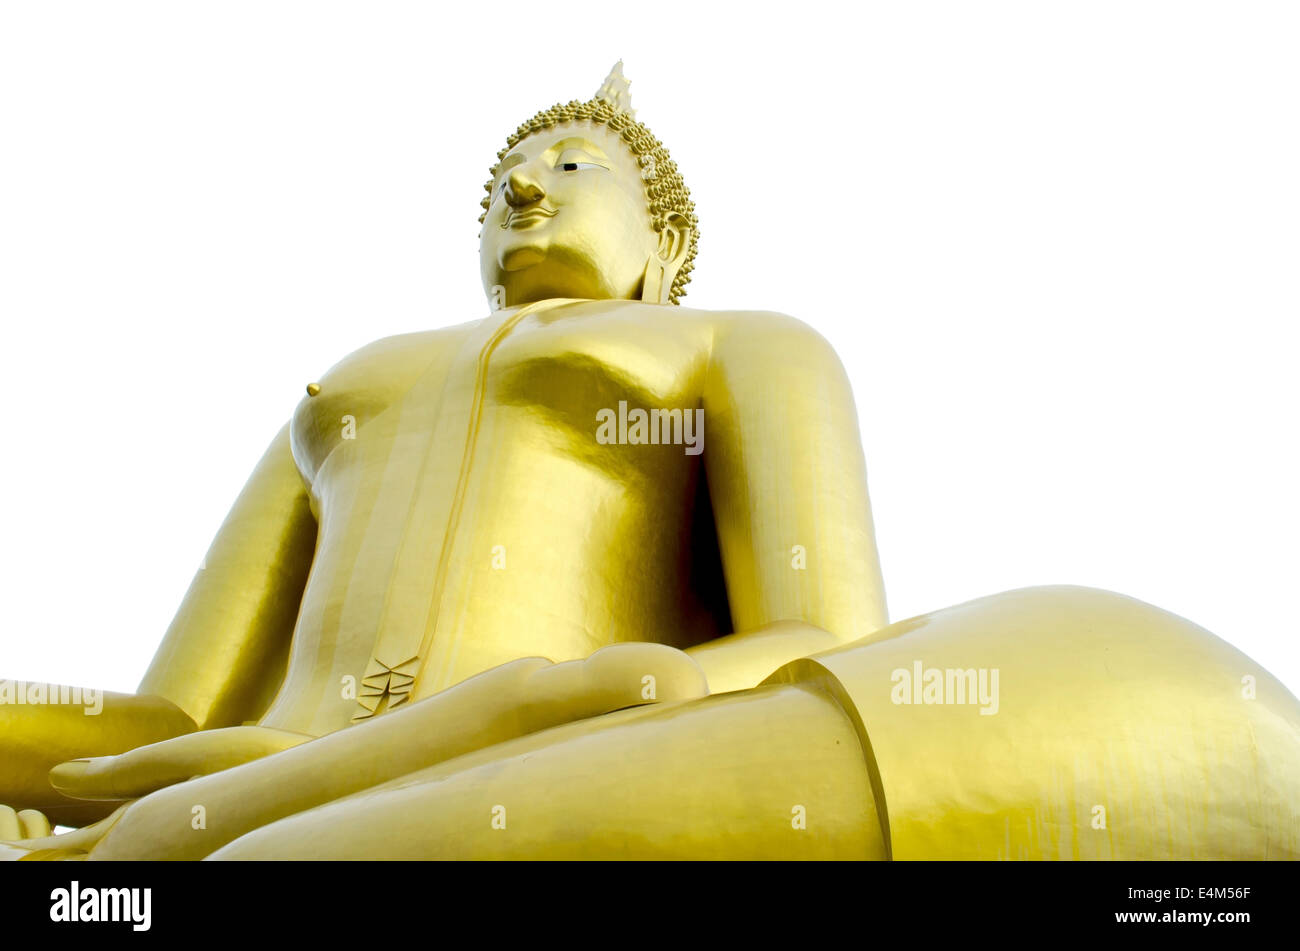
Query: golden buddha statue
pixel 595 577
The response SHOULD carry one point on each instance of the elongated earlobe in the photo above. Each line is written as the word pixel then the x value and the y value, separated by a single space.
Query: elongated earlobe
pixel 674 241
pixel 653 289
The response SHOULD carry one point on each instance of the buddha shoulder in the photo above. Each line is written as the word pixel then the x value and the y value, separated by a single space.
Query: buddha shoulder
pixel 360 387
pixel 753 337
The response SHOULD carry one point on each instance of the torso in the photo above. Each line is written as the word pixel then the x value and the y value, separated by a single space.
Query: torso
pixel 469 515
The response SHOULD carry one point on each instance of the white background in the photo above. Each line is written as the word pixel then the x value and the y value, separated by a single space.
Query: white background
pixel 1055 245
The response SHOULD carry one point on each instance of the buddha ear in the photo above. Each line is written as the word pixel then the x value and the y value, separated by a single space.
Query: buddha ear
pixel 674 241
pixel 669 256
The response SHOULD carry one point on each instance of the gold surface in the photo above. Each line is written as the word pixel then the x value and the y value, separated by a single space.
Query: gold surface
pixel 450 616
pixel 1121 732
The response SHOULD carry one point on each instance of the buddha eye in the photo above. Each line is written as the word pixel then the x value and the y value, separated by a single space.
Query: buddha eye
pixel 575 160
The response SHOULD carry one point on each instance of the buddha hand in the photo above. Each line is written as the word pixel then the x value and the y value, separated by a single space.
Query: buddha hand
pixel 516 699
pixel 145 769
pixel 22 824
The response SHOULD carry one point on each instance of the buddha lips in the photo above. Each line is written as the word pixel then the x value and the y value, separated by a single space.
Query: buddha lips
pixel 656 427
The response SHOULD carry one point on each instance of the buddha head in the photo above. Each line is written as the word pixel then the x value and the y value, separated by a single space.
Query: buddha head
pixel 584 202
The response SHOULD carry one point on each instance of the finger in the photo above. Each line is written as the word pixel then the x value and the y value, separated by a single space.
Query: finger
pixel 10 828
pixel 143 770
pixel 34 824
pixel 741 661
pixel 615 677
pixel 627 675
pixel 80 840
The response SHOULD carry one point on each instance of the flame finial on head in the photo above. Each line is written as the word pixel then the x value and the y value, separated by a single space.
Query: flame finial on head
pixel 616 90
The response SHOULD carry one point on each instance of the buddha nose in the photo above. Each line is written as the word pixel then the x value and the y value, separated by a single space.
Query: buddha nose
pixel 522 188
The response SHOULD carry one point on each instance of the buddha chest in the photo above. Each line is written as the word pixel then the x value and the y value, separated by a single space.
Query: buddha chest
pixel 537 489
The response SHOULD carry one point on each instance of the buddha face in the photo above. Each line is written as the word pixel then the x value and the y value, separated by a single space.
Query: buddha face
pixel 569 218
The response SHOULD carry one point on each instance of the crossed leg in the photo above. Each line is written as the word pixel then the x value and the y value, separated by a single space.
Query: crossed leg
pixel 773 772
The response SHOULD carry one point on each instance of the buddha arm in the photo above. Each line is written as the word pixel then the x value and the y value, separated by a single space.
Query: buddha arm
pixel 224 655
pixel 34 737
pixel 788 486
pixel 219 664
pixel 524 697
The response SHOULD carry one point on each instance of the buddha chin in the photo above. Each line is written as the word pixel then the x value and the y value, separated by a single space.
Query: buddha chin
pixel 531 262
pixel 522 250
